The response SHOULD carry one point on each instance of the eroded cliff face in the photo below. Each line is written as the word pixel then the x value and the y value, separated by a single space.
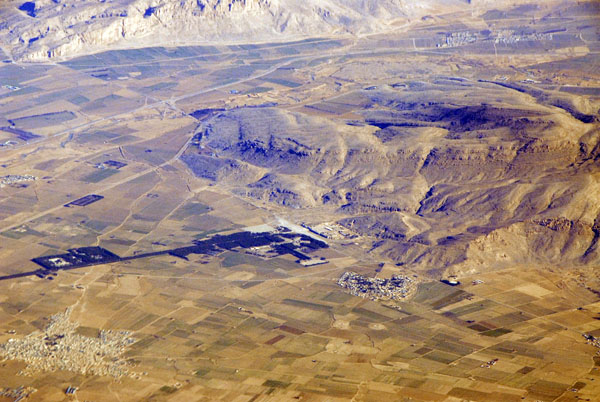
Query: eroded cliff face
pixel 58 29
pixel 436 179
pixel 64 28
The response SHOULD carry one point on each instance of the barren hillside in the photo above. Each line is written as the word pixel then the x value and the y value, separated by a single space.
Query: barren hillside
pixel 440 173
pixel 49 29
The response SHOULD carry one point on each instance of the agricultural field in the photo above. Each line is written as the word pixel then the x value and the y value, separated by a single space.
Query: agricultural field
pixel 461 157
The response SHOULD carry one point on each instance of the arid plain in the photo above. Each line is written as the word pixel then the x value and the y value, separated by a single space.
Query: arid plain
pixel 460 156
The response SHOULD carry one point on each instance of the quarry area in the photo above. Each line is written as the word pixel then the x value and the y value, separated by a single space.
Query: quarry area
pixel 276 200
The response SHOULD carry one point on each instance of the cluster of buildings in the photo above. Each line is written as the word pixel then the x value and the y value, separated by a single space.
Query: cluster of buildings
pixel 508 36
pixel 396 288
pixel 14 179
pixel 11 87
pixel 110 164
pixel 489 364
pixel 458 39
pixel 17 394
pixel 330 231
pixel 70 390
pixel 60 347
pixel 592 340
pixel 505 37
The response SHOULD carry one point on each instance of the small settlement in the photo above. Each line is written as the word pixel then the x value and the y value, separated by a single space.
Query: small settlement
pixel 396 288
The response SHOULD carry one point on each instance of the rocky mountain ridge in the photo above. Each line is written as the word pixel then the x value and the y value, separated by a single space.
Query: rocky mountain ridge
pixel 435 178
pixel 58 29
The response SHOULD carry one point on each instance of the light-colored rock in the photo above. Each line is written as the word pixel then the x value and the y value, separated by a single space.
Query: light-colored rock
pixel 65 28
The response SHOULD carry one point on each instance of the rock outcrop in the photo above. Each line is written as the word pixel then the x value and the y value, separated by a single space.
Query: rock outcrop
pixel 57 29
pixel 432 180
